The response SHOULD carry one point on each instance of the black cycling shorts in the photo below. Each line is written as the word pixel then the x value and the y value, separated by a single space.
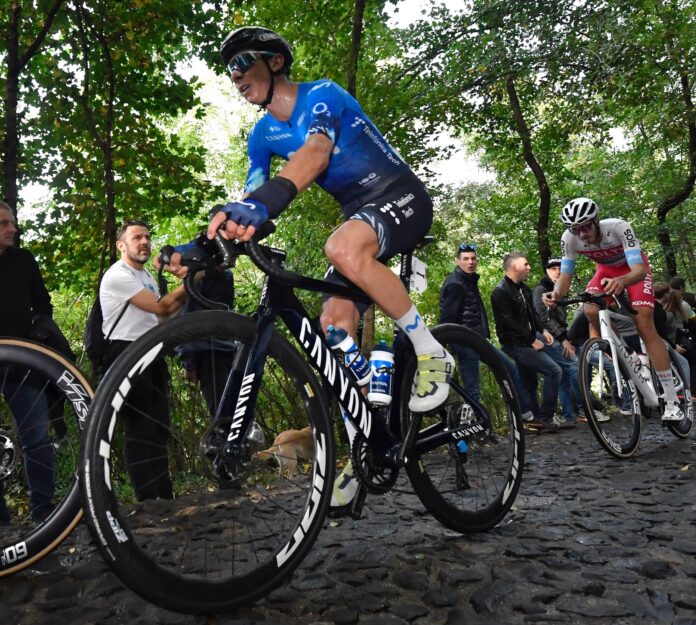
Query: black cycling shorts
pixel 401 217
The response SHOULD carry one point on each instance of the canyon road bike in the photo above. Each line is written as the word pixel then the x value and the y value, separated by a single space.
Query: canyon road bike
pixel 237 527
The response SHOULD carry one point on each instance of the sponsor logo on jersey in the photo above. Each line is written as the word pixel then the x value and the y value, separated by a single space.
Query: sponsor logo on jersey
pixel 280 137
pixel 368 180
pixel 630 237
pixel 402 201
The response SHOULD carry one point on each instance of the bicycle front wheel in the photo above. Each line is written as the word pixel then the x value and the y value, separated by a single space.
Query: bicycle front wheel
pixel 44 401
pixel 470 482
pixel 614 417
pixel 162 516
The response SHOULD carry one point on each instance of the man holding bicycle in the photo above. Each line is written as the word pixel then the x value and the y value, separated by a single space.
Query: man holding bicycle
pixel 620 265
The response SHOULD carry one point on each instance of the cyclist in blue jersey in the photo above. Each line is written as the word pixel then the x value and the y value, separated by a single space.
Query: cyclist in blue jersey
pixel 325 137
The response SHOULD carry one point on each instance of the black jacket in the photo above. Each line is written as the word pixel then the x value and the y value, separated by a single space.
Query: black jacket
pixel 555 319
pixel 24 294
pixel 516 321
pixel 460 302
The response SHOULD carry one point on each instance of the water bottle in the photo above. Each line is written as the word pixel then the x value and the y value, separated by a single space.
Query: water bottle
pixel 382 367
pixel 338 339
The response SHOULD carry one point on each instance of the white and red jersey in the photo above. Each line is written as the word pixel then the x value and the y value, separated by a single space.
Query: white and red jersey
pixel 617 250
pixel 618 246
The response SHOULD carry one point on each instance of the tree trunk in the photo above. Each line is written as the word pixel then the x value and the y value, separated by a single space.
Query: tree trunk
pixel 687 187
pixel 10 142
pixel 104 142
pixel 16 62
pixel 542 226
pixel 356 39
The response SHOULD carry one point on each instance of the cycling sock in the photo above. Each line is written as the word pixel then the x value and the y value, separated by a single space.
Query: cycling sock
pixel 667 382
pixel 416 330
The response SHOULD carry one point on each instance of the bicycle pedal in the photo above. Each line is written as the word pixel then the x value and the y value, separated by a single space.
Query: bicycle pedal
pixel 358 503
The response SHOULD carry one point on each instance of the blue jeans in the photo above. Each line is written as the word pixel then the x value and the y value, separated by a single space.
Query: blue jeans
pixel 468 364
pixel 30 411
pixel 569 390
pixel 529 363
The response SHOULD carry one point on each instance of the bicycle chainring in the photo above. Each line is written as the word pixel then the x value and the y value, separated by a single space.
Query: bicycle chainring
pixel 376 476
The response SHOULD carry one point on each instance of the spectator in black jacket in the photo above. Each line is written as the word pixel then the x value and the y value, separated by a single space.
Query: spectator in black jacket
pixel 24 298
pixel 522 337
pixel 561 351
pixel 461 303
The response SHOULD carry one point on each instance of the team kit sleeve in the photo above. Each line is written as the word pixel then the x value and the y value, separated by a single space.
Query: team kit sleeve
pixel 631 244
pixel 324 106
pixel 568 253
pixel 259 160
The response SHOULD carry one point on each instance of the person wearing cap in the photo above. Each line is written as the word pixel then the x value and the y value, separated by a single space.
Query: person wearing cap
pixel 461 303
pixel 561 351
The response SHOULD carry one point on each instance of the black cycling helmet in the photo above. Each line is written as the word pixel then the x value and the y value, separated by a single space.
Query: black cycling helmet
pixel 579 211
pixel 256 39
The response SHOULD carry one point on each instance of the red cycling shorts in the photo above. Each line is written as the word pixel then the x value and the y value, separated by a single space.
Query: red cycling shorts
pixel 640 293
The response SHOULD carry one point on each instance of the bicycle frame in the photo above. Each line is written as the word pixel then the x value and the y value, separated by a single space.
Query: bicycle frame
pixel 279 300
pixel 619 348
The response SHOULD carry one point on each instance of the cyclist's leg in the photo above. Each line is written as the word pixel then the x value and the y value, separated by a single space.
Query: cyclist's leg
pixel 643 300
pixel 354 250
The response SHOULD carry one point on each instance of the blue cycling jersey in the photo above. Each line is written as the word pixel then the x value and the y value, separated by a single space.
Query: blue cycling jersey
pixel 362 165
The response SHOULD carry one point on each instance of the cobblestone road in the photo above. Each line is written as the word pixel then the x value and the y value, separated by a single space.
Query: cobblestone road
pixel 590 540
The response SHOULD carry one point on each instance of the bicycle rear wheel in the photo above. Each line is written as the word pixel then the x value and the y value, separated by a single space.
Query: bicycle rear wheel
pixel 49 397
pixel 472 489
pixel 615 419
pixel 218 544
pixel 681 429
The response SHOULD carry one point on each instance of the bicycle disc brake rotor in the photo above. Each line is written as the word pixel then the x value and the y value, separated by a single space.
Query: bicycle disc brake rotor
pixel 461 414
pixel 372 471
pixel 8 454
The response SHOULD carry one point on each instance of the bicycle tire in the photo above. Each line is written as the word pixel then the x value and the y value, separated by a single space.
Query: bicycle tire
pixel 33 366
pixel 620 434
pixel 471 492
pixel 210 549
pixel 681 429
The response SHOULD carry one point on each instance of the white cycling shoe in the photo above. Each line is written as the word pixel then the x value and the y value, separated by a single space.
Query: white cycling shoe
pixel 431 386
pixel 673 412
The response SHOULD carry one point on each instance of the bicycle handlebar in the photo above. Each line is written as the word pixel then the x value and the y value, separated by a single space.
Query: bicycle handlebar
pixel 599 299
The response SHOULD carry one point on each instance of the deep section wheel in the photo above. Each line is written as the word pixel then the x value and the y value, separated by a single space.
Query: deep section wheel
pixel 465 459
pixel 44 401
pixel 191 521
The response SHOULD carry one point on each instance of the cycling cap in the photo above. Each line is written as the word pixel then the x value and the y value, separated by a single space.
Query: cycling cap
pixel 256 39
pixel 553 262
pixel 578 211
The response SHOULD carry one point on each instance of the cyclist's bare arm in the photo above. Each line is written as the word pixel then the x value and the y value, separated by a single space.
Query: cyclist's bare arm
pixel 560 289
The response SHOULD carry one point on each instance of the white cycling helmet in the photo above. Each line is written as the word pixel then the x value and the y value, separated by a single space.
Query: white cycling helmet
pixel 579 211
